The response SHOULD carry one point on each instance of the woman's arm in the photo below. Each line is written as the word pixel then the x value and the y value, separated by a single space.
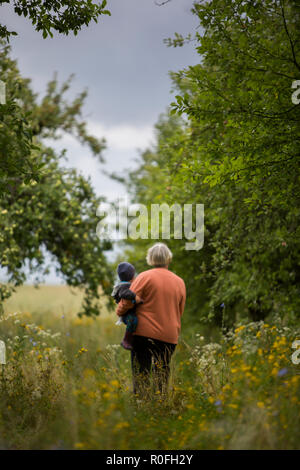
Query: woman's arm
pixel 183 299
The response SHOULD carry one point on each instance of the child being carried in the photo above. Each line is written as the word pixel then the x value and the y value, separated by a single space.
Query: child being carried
pixel 126 273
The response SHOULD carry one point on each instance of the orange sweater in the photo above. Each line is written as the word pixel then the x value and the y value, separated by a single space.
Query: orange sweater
pixel 163 293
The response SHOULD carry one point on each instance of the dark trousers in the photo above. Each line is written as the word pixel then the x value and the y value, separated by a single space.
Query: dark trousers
pixel 150 358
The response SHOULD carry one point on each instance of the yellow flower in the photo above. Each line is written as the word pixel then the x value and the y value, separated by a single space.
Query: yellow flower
pixel 233 405
pixel 82 350
pixel 190 406
pixel 79 445
pixel 294 379
pixel 121 425
pixel 240 328
pixel 114 383
pixel 260 404
pixel 89 373
pixel 245 368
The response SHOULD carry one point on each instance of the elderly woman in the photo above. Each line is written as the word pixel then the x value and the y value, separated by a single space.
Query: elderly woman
pixel 159 319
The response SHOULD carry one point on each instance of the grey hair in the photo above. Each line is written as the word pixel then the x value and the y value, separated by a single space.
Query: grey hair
pixel 159 255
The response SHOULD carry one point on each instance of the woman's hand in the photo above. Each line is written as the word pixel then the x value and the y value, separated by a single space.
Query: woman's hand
pixel 138 300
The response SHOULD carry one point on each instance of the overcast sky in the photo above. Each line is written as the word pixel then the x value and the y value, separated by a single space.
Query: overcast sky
pixel 123 63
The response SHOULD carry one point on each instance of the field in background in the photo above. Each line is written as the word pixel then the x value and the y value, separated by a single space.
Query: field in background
pixel 47 299
pixel 67 384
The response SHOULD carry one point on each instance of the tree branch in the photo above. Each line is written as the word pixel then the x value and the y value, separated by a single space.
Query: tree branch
pixel 162 3
pixel 290 39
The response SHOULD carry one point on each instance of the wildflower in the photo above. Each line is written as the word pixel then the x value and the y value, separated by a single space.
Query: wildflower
pixel 121 425
pixel 222 305
pixel 190 406
pixel 282 372
pixel 226 387
pixel 240 328
pixel 114 383
pixel 89 373
pixel 218 403
pixel 260 404
pixel 82 350
pixel 79 445
pixel 233 405
pixel 294 379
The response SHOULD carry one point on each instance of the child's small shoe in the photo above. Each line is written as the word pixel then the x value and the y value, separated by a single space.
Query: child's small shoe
pixel 127 340
pixel 126 345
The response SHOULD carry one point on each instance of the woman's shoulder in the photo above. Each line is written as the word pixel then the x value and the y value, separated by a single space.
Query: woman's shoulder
pixel 178 278
pixel 158 272
pixel 142 276
pixel 164 272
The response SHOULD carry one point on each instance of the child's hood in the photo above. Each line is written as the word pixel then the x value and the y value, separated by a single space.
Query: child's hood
pixel 118 286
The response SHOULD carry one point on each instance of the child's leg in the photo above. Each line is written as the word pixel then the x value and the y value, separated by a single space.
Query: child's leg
pixel 131 322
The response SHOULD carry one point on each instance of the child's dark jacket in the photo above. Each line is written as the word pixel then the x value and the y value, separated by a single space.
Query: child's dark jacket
pixel 122 291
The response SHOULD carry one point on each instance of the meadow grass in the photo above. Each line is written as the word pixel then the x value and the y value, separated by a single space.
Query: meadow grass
pixel 67 384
